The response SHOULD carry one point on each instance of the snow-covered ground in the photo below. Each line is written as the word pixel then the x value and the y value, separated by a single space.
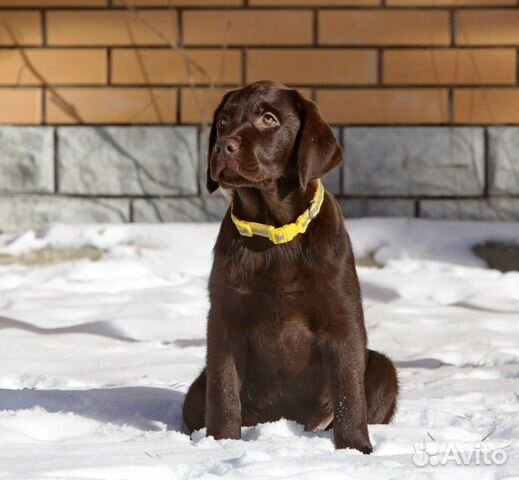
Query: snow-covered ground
pixel 95 359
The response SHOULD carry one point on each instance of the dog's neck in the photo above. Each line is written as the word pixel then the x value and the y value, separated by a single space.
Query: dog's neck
pixel 276 204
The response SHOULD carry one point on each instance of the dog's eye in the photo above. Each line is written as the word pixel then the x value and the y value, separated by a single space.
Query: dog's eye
pixel 222 121
pixel 268 119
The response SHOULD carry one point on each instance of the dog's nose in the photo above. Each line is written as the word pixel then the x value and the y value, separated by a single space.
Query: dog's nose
pixel 231 146
pixel 227 145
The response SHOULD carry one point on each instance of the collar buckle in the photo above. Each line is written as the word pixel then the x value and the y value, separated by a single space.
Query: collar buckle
pixel 277 236
pixel 288 232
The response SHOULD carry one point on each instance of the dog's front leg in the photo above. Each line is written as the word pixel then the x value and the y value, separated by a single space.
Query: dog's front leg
pixel 344 361
pixel 223 406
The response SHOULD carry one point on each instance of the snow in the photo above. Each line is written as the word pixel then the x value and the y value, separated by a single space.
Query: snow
pixel 96 358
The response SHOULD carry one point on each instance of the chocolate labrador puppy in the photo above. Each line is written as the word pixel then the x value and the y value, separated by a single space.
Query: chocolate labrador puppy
pixel 285 334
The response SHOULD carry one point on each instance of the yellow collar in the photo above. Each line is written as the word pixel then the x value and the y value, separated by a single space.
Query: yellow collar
pixel 286 233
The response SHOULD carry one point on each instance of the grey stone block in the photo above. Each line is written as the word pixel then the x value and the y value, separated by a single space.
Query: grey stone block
pixel 18 212
pixel 26 159
pixel 503 157
pixel 494 209
pixel 196 209
pixel 429 161
pixel 369 207
pixel 332 181
pixel 128 160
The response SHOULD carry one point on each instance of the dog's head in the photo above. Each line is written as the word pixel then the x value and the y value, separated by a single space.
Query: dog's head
pixel 264 132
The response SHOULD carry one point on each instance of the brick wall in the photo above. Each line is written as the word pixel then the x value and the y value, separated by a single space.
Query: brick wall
pixel 364 61
pixel 431 86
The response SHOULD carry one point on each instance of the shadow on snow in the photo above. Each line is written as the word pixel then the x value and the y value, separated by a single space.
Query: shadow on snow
pixel 145 408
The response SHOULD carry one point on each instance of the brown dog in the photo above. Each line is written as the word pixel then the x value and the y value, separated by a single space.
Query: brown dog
pixel 285 335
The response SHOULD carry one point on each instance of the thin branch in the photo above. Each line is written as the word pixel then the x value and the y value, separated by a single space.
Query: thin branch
pixel 187 59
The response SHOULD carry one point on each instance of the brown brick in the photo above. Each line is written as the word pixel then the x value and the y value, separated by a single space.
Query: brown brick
pixel 53 3
pixel 449 3
pixel 52 66
pixel 111 105
pixel 20 28
pixel 20 106
pixel 453 66
pixel 486 105
pixel 101 27
pixel 181 3
pixel 198 104
pixel 487 27
pixel 247 27
pixel 316 3
pixel 316 66
pixel 391 106
pixel 167 66
pixel 384 27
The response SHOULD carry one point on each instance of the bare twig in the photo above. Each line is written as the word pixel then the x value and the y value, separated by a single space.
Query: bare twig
pixel 55 96
pixel 492 430
pixel 187 59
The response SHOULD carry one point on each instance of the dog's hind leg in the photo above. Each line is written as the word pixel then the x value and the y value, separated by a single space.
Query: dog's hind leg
pixel 322 421
pixel 381 384
pixel 193 410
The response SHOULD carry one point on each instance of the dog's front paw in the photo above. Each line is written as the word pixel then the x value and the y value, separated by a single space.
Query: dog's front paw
pixel 359 442
pixel 231 431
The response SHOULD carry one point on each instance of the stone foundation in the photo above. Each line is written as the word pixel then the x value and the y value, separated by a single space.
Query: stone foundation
pixel 157 174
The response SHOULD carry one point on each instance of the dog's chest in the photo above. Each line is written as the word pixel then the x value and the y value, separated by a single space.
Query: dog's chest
pixel 272 306
pixel 282 346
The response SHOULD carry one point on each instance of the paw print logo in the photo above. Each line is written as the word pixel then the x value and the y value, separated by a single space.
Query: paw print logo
pixel 426 454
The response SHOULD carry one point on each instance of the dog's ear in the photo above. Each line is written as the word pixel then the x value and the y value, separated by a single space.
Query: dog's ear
pixel 318 150
pixel 211 184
